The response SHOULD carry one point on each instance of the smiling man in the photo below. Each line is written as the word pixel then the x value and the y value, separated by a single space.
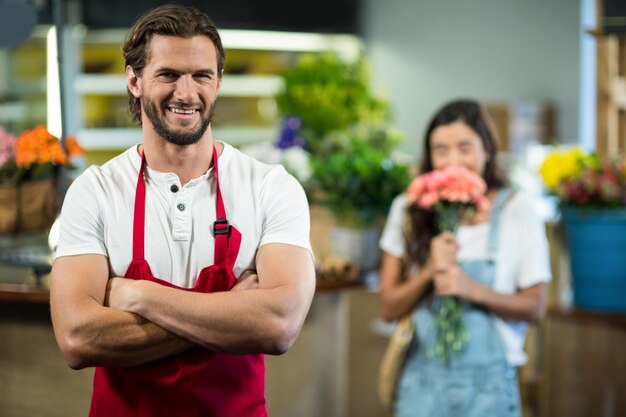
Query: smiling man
pixel 181 261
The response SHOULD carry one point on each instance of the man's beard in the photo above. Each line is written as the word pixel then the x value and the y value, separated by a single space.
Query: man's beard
pixel 171 135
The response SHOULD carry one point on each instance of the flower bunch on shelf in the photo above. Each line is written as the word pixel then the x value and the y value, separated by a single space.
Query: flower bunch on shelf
pixel 34 154
pixel 347 133
pixel 288 151
pixel 454 194
pixel 7 147
pixel 581 178
pixel 358 176
pixel 328 93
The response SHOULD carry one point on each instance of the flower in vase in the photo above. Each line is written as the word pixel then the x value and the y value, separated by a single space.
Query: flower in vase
pixel 34 154
pixel 584 179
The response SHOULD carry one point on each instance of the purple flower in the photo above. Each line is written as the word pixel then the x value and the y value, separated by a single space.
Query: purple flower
pixel 289 133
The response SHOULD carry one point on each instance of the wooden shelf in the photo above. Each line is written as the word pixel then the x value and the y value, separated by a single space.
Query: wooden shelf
pixel 24 293
pixel 583 366
pixel 592 316
pixel 232 85
pixel 330 286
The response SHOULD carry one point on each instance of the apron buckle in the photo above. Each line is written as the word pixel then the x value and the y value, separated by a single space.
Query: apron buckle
pixel 221 231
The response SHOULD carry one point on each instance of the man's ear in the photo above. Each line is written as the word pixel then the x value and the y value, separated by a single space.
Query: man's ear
pixel 132 82
pixel 219 83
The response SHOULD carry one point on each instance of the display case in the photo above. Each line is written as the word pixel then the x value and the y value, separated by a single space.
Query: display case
pixel 23 76
pixel 94 85
pixel 245 112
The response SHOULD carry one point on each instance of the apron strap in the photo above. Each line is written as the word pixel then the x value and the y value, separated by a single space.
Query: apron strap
pixel 139 219
pixel 221 226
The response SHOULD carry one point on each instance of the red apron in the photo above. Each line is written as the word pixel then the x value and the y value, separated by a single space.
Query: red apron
pixel 197 382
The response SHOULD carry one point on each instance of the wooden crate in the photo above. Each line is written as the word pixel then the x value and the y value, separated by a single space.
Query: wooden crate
pixel 583 365
pixel 610 89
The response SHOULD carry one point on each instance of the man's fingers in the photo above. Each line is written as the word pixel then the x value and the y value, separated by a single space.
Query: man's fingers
pixel 247 280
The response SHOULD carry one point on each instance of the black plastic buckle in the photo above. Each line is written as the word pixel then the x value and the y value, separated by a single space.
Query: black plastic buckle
pixel 224 231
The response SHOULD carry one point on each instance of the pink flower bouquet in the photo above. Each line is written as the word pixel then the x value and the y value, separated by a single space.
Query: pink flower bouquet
pixel 454 194
pixel 448 192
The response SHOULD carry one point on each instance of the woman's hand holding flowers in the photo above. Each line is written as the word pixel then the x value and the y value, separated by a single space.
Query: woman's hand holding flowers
pixel 443 250
pixel 453 281
pixel 448 277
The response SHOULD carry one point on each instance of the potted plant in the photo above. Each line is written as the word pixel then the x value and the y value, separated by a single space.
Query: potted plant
pixel 28 170
pixel 591 191
pixel 356 176
pixel 328 94
pixel 347 133
pixel 357 181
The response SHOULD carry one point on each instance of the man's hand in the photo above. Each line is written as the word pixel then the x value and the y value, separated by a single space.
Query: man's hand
pixel 249 280
pixel 91 334
pixel 120 292
pixel 265 319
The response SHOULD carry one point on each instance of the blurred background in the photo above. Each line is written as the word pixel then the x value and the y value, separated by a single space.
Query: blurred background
pixel 358 78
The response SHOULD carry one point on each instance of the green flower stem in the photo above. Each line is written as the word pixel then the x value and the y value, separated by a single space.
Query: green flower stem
pixel 451 334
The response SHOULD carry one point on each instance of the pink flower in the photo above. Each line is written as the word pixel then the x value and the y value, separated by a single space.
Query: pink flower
pixel 453 184
pixel 428 200
pixel 416 188
pixel 436 180
pixel 7 142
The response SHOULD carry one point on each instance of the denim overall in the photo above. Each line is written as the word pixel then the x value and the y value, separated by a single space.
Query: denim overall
pixel 477 382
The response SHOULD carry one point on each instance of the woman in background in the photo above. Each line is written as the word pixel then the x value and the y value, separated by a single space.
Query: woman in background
pixel 497 263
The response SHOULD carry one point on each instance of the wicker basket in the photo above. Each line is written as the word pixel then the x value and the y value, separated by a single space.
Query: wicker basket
pixel 27 206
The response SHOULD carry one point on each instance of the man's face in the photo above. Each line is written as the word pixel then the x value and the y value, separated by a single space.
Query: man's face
pixel 179 86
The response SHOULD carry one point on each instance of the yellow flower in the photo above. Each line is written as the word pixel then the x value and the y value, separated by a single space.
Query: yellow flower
pixel 562 165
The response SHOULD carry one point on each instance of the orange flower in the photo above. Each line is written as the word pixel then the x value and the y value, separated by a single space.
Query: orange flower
pixel 38 146
pixel 56 154
pixel 73 147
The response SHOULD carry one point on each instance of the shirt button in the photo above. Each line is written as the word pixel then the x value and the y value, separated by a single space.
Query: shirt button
pixel 181 207
pixel 174 188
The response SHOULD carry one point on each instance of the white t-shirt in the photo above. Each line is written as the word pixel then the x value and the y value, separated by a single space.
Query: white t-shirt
pixel 522 256
pixel 264 202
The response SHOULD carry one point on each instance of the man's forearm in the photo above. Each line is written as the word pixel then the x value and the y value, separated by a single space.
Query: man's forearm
pixel 265 319
pixel 249 321
pixel 110 337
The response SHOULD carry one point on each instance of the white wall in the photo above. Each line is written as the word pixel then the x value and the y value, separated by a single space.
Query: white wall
pixel 424 53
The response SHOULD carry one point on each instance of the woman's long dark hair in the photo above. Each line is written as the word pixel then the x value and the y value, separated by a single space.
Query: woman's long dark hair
pixel 421 225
